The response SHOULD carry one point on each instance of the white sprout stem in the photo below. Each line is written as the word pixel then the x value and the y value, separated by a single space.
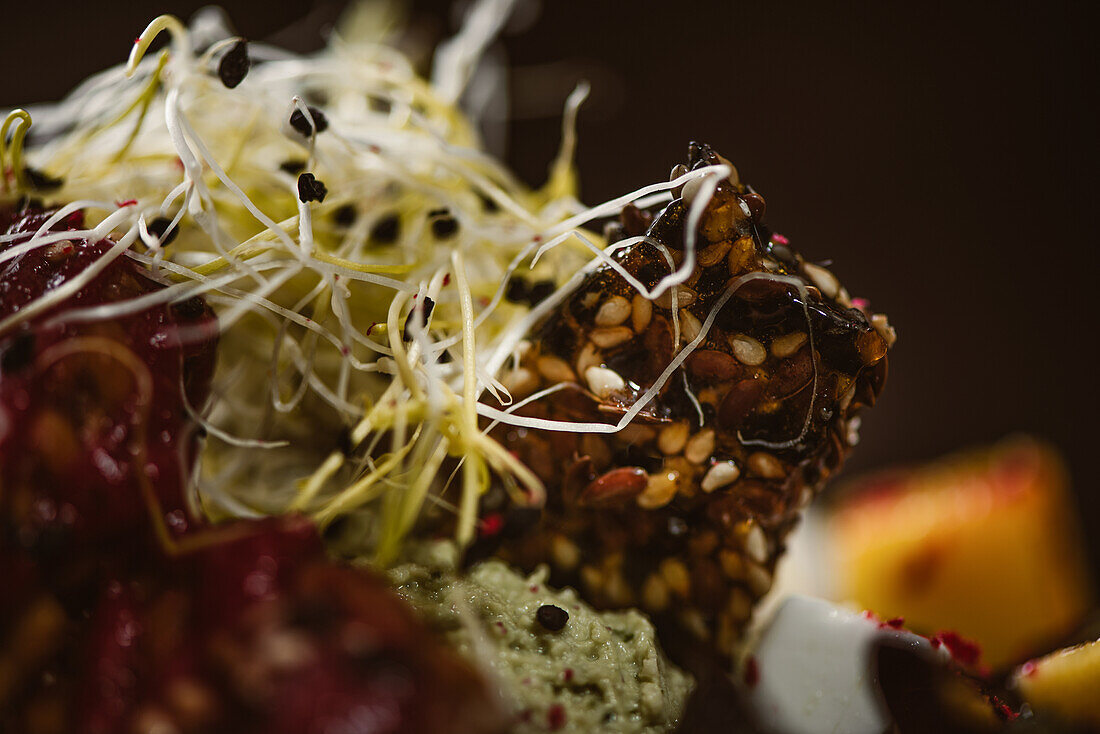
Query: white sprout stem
pixel 456 58
pixel 141 45
pixel 262 265
pixel 473 466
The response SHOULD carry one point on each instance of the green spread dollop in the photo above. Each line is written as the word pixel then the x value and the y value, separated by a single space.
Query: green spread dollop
pixel 602 671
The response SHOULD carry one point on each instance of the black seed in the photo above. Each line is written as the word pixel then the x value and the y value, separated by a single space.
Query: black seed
pixel 235 64
pixel 41 181
pixel 429 304
pixel 541 291
pixel 345 215
pixel 343 441
pixel 551 617
pixel 18 354
pixel 159 227
pixel 378 104
pixel 517 290
pixel 311 189
pixel 293 167
pixel 386 230
pixel 299 122
pixel 192 308
pixel 336 528
pixel 488 204
pixel 443 224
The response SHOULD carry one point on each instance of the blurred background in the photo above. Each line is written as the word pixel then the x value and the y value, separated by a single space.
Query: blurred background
pixel 942 155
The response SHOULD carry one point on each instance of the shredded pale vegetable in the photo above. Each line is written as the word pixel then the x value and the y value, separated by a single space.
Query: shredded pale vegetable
pixel 372 320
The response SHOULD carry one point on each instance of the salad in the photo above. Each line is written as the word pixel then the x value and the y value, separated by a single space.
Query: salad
pixel 313 418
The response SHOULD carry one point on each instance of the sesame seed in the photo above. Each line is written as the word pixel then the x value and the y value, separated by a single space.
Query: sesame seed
pixel 760 580
pixel 590 356
pixel 611 336
pixel 618 591
pixel 739 604
pixel 747 350
pixel 613 311
pixel 691 190
pixel 596 447
pixel 672 438
pixel 633 433
pixel 823 279
pixel 847 397
pixel 592 578
pixel 564 553
pixel 852 434
pixel 655 593
pixel 675 574
pixel 756 544
pixel 642 312
pixel 700 446
pixel 603 381
pixel 785 346
pixel 555 369
pixel 660 489
pixel 720 475
pixel 732 564
pixel 690 326
pixel 684 298
pixel 713 254
pixel 763 464
pixel 678 170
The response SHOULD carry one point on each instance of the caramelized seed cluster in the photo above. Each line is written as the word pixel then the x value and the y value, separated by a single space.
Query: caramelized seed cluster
pixel 685 510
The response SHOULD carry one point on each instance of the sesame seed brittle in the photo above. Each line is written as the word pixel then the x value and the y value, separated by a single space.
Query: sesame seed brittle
pixel 762 363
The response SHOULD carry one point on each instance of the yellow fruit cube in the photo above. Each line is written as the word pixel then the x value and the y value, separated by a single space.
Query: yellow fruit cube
pixel 984 543
pixel 1065 682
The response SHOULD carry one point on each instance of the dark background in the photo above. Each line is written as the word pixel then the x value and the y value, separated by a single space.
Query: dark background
pixel 942 155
